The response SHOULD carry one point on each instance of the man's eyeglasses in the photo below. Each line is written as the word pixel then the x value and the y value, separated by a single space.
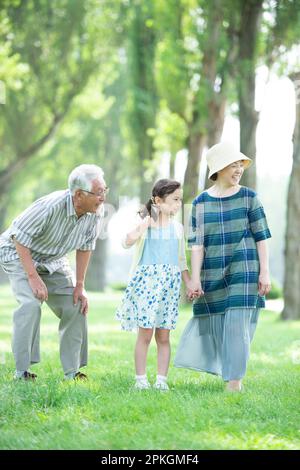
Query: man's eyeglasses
pixel 100 193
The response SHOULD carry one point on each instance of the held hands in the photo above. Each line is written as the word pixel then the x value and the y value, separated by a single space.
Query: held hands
pixel 264 283
pixel 194 290
pixel 80 294
pixel 38 287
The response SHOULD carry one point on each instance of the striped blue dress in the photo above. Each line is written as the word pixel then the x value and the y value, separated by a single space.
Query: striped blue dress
pixel 217 338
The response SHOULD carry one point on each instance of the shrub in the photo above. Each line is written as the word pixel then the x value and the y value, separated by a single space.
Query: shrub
pixel 118 286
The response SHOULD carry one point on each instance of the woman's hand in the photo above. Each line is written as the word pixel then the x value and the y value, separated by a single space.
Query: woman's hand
pixel 146 222
pixel 264 283
pixel 194 289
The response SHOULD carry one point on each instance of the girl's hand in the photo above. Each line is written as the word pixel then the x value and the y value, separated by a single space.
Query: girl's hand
pixel 264 283
pixel 133 236
pixel 194 289
pixel 144 224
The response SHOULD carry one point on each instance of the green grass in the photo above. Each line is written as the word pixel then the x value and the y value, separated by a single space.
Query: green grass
pixel 105 413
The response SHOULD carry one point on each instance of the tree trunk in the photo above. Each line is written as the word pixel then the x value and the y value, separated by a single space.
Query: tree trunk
pixel 216 125
pixel 3 211
pixel 217 119
pixel 196 143
pixel 96 273
pixel 172 165
pixel 145 186
pixel 251 12
pixel 207 123
pixel 292 243
pixel 142 44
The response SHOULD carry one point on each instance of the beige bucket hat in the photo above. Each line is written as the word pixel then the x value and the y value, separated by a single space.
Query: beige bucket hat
pixel 223 154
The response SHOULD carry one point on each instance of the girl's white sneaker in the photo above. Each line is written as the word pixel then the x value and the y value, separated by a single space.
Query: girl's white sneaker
pixel 163 386
pixel 142 385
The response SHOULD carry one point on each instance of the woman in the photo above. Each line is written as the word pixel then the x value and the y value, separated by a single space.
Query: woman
pixel 230 272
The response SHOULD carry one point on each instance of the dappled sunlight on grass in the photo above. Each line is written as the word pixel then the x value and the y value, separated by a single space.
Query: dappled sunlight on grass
pixel 264 358
pixel 219 439
pixel 101 329
pixel 103 348
pixel 293 352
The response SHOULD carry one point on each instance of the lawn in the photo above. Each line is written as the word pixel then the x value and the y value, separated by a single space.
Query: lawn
pixel 105 413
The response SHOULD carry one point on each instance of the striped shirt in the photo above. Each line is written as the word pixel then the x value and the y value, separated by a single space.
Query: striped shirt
pixel 50 228
pixel 228 228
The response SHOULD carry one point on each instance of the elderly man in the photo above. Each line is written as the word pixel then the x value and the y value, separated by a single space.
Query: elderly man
pixel 32 253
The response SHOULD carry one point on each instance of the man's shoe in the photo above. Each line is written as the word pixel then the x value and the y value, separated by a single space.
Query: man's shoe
pixel 162 386
pixel 27 376
pixel 80 376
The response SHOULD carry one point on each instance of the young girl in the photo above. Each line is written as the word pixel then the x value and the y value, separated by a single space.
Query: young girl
pixel 230 270
pixel 151 299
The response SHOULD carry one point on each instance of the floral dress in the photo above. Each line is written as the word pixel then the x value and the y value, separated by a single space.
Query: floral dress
pixel 152 296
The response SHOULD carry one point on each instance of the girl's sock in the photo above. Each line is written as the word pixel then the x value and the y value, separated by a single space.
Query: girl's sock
pixel 141 382
pixel 141 377
pixel 161 383
pixel 161 378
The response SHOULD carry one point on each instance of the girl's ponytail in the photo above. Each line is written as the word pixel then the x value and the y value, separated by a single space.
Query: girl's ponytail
pixel 146 209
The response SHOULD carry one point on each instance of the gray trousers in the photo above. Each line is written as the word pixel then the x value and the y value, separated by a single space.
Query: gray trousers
pixel 26 319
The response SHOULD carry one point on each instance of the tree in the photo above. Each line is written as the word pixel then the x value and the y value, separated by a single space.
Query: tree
pixel 115 170
pixel 292 243
pixel 208 112
pixel 251 13
pixel 58 44
pixel 142 99
pixel 267 31
pixel 196 52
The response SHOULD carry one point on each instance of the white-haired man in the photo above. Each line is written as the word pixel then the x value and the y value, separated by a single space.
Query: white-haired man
pixel 32 253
